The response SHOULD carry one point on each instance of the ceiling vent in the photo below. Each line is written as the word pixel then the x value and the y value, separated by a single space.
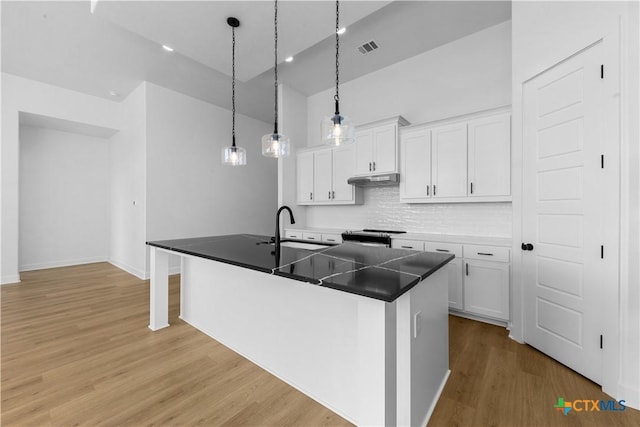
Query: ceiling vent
pixel 368 47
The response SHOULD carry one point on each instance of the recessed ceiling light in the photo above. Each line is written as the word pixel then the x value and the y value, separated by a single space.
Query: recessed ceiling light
pixel 342 30
pixel 288 59
pixel 167 48
pixel 113 93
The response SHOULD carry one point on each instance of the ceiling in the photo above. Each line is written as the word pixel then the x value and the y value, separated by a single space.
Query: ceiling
pixel 118 46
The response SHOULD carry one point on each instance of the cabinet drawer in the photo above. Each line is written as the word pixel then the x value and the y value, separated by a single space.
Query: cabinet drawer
pixel 331 238
pixel 487 253
pixel 293 234
pixel 416 245
pixel 452 248
pixel 311 236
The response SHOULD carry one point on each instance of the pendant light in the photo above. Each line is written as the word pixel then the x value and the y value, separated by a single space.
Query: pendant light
pixel 274 144
pixel 337 129
pixel 233 155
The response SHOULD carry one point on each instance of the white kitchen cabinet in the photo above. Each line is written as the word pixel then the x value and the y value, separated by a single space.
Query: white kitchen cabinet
pixel 415 168
pixel 449 161
pixel 486 281
pixel 322 176
pixel 416 245
pixel 454 270
pixel 490 156
pixel 343 161
pixel 377 147
pixel 331 238
pixel 461 161
pixel 311 236
pixel 304 177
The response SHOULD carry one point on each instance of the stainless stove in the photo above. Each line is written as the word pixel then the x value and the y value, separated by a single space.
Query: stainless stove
pixel 370 237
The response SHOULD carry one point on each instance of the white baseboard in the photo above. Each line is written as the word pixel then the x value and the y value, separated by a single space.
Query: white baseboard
pixel 8 280
pixel 61 263
pixel 129 269
pixel 435 400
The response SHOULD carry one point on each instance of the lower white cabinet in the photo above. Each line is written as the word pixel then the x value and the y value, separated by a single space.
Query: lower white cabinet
pixel 486 288
pixel 478 276
pixel 486 281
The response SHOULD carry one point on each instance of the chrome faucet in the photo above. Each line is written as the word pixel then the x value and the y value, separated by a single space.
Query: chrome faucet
pixel 277 235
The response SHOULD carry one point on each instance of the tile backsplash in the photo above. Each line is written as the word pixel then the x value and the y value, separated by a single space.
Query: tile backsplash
pixel 382 209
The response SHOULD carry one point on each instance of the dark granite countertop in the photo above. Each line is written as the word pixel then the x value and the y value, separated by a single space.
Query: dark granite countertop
pixel 375 272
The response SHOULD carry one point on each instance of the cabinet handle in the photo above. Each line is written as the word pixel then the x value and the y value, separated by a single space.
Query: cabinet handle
pixel 467 266
pixel 331 240
pixel 310 196
pixel 406 247
pixel 333 195
pixel 442 250
pixel 428 187
pixel 329 194
pixel 311 238
pixel 471 184
pixel 434 189
pixel 485 253
pixel 374 166
pixel 369 166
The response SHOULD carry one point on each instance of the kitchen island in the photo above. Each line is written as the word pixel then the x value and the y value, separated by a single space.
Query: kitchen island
pixel 362 330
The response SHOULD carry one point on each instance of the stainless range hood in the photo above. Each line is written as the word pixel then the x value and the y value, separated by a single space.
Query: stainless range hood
pixel 381 180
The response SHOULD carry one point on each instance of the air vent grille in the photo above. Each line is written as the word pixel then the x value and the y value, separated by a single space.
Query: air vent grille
pixel 368 47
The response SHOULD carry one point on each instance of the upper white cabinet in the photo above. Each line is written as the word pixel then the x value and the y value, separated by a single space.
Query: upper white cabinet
pixel 322 176
pixel 415 146
pixel 304 177
pixel 377 147
pixel 463 161
pixel 449 161
pixel 490 156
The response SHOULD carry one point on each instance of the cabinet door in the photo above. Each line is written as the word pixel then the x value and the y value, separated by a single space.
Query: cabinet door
pixel 415 173
pixel 486 288
pixel 385 149
pixel 454 270
pixel 322 175
pixel 344 160
pixel 490 156
pixel 449 161
pixel 364 152
pixel 304 177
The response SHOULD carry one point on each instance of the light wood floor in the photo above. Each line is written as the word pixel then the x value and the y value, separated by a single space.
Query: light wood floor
pixel 76 350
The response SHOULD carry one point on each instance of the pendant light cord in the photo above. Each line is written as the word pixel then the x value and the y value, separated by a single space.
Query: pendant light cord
pixel 337 95
pixel 233 86
pixel 275 88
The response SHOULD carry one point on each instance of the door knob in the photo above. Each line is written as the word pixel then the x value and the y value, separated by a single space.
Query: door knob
pixel 527 247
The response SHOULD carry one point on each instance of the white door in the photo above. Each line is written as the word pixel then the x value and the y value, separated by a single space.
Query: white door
pixel 322 175
pixel 304 177
pixel 344 161
pixel 415 175
pixel 384 149
pixel 364 152
pixel 562 215
pixel 449 161
pixel 490 156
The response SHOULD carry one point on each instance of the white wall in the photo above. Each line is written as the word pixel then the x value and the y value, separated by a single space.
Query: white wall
pixel 545 33
pixel 189 192
pixel 293 123
pixel 468 75
pixel 127 171
pixel 23 95
pixel 63 198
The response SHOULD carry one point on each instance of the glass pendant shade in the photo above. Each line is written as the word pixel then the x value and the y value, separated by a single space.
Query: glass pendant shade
pixel 234 156
pixel 275 145
pixel 337 130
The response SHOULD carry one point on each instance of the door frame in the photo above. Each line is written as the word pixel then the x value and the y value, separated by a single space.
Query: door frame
pixel 613 113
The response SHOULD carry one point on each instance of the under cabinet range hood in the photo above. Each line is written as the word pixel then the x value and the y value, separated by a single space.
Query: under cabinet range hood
pixel 381 180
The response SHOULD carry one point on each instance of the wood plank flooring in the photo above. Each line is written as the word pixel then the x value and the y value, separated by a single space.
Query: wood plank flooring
pixel 76 350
